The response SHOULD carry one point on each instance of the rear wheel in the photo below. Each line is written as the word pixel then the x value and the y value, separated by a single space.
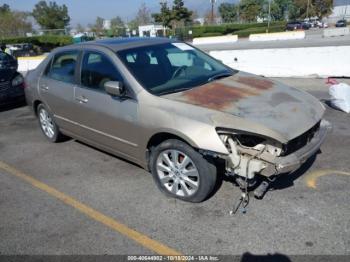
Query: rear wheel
pixel 48 125
pixel 181 172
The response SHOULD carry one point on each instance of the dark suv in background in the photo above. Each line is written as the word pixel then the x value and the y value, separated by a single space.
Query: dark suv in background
pixel 297 25
pixel 340 23
pixel 11 82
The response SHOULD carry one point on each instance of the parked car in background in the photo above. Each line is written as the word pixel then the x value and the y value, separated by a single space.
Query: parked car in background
pixel 297 25
pixel 11 82
pixel 321 24
pixel 340 23
pixel 175 111
pixel 24 49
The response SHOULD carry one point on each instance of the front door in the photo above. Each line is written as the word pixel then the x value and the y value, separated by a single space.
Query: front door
pixel 109 121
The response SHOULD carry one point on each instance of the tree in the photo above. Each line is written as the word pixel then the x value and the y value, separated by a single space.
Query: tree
pixel 133 24
pixel 143 16
pixel 13 23
pixel 304 9
pixel 5 8
pixel 228 12
pixel 250 10
pixel 117 26
pixel 280 9
pixel 322 8
pixel 165 15
pixel 180 14
pixel 51 16
pixel 97 28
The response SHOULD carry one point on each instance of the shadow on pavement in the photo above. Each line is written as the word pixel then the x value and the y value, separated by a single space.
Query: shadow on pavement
pixel 287 180
pixel 12 106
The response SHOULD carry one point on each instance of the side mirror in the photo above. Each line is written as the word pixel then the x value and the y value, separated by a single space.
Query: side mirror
pixel 114 88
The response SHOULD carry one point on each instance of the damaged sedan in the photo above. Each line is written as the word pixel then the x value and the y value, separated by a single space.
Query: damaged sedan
pixel 177 112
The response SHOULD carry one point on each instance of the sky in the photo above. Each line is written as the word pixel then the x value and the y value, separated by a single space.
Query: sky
pixel 86 11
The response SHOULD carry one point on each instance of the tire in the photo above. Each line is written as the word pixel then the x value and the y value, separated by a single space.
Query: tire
pixel 48 125
pixel 191 178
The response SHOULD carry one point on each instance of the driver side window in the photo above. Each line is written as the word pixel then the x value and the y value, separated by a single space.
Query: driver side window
pixel 96 70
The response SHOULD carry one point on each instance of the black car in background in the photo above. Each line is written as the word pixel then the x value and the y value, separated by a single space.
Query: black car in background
pixel 297 25
pixel 340 23
pixel 11 82
pixel 24 49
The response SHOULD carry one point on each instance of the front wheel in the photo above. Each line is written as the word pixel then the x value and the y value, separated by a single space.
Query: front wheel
pixel 181 172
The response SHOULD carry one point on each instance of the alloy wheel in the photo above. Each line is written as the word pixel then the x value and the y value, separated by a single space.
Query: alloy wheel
pixel 178 173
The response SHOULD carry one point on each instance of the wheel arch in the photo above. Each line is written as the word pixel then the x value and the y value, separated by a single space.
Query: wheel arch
pixel 158 138
pixel 36 104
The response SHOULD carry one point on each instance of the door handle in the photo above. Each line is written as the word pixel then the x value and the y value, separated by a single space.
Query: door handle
pixel 82 99
pixel 44 87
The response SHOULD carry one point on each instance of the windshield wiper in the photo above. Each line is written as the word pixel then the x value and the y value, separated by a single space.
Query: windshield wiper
pixel 218 76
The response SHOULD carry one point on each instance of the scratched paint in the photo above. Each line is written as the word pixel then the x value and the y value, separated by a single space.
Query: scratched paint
pixel 258 83
pixel 312 177
pixel 217 95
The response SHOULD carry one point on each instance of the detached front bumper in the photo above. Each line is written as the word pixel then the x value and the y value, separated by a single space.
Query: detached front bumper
pixel 294 160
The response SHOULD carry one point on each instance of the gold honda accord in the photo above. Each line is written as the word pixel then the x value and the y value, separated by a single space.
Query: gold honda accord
pixel 175 111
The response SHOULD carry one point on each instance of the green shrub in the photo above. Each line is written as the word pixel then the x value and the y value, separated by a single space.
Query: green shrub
pixel 44 41
pixel 225 29
pixel 211 34
pixel 259 30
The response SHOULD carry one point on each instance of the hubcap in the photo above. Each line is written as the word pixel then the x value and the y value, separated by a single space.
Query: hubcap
pixel 177 173
pixel 46 123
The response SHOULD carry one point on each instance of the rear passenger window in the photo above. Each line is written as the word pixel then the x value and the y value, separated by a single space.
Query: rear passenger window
pixel 63 67
pixel 96 70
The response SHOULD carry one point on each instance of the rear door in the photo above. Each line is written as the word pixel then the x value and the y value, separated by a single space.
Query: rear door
pixel 109 121
pixel 56 86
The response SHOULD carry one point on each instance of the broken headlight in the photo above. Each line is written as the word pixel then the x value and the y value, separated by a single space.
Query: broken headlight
pixel 250 142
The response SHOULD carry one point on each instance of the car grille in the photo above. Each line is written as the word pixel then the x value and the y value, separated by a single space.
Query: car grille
pixel 300 141
pixel 4 85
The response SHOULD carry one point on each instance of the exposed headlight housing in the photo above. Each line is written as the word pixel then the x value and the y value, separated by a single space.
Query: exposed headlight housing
pixel 18 80
pixel 251 141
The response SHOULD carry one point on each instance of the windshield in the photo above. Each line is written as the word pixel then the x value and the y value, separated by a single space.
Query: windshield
pixel 172 67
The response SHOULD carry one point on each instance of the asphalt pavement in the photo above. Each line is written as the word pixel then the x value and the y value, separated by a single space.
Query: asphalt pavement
pixel 70 198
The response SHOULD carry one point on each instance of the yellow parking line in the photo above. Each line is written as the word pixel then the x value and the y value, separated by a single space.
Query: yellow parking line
pixel 312 177
pixel 138 237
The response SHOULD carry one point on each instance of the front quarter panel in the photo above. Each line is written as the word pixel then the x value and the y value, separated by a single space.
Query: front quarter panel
pixel 159 115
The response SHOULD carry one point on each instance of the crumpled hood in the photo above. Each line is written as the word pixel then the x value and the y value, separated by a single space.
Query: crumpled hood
pixel 285 110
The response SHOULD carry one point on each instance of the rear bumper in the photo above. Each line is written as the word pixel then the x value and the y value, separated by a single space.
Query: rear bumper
pixel 293 161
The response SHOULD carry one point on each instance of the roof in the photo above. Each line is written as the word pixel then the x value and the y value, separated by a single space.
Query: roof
pixel 117 44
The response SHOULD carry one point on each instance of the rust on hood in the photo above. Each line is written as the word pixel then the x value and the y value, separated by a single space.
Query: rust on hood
pixel 258 83
pixel 217 95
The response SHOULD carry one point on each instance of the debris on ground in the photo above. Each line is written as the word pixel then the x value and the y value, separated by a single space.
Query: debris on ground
pixel 340 97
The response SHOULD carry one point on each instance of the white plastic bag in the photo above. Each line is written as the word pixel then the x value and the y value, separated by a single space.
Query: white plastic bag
pixel 340 97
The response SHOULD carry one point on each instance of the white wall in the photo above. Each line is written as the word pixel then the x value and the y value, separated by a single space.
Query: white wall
pixel 277 36
pixel 215 40
pixel 282 62
pixel 29 63
pixel 290 62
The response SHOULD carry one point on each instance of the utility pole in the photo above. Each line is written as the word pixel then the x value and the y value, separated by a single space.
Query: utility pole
pixel 307 9
pixel 212 10
pixel 269 17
